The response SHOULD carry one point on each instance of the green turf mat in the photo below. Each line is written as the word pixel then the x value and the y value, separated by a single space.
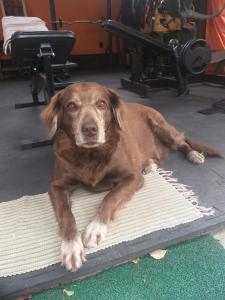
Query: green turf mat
pixel 192 270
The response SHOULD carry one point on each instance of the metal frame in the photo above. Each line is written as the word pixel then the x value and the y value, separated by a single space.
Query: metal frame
pixel 23 4
pixel 53 14
pixel 46 53
pixel 140 40
pixel 146 69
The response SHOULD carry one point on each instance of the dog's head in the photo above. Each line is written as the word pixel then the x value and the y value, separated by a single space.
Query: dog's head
pixel 86 111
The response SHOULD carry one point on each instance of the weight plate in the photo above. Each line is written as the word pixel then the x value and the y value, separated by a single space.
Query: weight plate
pixel 195 56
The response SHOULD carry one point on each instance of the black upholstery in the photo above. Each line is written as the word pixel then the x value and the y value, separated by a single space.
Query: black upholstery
pixel 25 46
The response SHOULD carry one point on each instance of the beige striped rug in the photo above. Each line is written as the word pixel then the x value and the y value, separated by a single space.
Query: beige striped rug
pixel 28 230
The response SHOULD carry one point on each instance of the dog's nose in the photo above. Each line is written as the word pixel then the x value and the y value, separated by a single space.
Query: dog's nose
pixel 89 129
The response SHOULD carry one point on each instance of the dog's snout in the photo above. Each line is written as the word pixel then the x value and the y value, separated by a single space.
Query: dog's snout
pixel 89 129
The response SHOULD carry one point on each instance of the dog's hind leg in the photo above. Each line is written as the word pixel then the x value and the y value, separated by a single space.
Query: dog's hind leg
pixel 196 152
pixel 175 140
pixel 191 154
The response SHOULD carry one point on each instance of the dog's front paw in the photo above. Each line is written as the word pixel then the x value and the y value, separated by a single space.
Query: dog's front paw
pixel 151 166
pixel 72 254
pixel 196 157
pixel 94 234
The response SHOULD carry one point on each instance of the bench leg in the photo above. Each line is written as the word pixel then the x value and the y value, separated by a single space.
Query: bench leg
pixel 28 144
pixel 37 85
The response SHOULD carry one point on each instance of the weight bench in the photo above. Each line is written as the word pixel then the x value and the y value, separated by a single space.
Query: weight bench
pixel 31 45
pixel 44 52
pixel 190 58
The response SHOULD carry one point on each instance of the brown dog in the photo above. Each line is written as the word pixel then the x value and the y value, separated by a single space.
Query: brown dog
pixel 105 144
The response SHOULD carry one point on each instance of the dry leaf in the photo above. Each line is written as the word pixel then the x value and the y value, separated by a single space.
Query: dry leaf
pixel 135 260
pixel 158 254
pixel 68 293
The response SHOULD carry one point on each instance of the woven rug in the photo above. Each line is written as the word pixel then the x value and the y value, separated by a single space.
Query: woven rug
pixel 29 235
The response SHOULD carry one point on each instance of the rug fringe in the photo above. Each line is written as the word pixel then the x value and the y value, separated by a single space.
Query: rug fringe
pixel 186 192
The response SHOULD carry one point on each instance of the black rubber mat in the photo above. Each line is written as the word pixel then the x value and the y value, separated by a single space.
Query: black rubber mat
pixel 27 172
pixel 217 107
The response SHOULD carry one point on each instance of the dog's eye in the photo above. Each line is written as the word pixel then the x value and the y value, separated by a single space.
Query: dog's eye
pixel 101 104
pixel 71 106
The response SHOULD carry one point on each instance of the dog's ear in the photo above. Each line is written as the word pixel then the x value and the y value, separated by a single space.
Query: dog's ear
pixel 50 114
pixel 116 105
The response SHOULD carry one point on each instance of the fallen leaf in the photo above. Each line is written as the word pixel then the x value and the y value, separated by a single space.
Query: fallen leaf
pixel 158 254
pixel 135 260
pixel 68 293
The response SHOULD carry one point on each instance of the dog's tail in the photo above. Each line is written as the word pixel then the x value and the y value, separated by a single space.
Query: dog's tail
pixel 207 151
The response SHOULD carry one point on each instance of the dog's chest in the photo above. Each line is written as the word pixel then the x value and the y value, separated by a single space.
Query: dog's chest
pixel 91 173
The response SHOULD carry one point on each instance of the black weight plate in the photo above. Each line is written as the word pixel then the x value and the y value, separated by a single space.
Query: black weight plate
pixel 196 56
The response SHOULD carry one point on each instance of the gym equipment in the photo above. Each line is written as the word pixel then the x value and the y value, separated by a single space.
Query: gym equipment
pixel 155 64
pixel 45 53
pixel 182 9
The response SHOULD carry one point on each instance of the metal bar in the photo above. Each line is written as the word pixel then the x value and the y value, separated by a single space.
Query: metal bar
pixel 34 86
pixel 76 21
pixel 135 36
pixel 49 75
pixel 181 77
pixel 109 16
pixel 29 104
pixel 34 93
pixel 53 14
pixel 27 144
pixel 109 9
